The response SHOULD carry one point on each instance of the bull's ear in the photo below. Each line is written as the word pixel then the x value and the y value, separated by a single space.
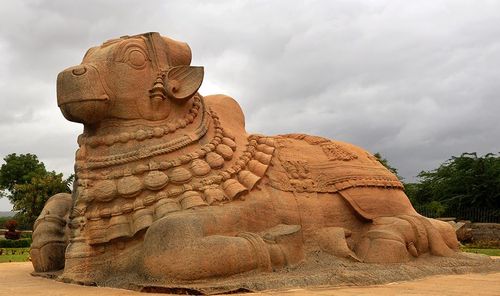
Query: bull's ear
pixel 182 82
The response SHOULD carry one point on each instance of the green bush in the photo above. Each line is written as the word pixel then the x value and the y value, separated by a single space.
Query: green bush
pixel 20 243
pixel 436 207
pixel 26 235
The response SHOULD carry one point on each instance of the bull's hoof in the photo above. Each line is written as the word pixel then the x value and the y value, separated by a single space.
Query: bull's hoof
pixel 277 247
pixel 380 246
pixel 285 245
pixel 49 257
pixel 332 240
pixel 389 240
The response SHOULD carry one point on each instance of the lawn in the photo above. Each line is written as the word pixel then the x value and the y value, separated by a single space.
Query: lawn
pixel 14 254
pixel 22 254
pixel 489 252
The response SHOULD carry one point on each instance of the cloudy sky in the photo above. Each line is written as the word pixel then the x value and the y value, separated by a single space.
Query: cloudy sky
pixel 418 81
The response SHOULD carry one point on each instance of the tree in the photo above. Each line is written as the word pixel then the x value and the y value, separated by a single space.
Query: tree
pixel 19 169
pixel 27 184
pixel 466 181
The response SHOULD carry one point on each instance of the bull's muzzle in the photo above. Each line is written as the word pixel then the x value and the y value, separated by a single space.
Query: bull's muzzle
pixel 81 95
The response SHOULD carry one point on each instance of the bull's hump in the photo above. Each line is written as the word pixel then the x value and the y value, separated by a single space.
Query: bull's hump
pixel 230 114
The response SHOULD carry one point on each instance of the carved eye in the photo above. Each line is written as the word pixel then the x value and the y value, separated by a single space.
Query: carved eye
pixel 133 53
pixel 137 59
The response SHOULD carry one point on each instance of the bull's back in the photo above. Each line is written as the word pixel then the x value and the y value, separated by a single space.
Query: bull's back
pixel 311 165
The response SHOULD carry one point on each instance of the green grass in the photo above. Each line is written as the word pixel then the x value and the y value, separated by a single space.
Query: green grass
pixel 489 252
pixel 22 254
pixel 14 254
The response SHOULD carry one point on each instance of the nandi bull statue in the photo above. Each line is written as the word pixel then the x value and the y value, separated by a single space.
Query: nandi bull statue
pixel 171 188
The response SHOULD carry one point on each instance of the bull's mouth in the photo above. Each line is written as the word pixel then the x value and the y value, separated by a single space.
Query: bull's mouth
pixel 81 100
pixel 86 111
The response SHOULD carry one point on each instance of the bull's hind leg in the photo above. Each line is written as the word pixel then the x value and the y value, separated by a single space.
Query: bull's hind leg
pixel 210 242
pixel 388 240
pixel 399 238
pixel 447 232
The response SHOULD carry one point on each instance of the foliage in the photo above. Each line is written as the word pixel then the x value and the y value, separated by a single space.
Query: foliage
pixel 462 182
pixel 14 254
pixel 11 233
pixel 27 235
pixel 464 187
pixel 24 222
pixel 3 220
pixel 37 192
pixel 27 184
pixel 20 243
pixel 385 163
pixel 11 225
pixel 19 169
pixel 436 207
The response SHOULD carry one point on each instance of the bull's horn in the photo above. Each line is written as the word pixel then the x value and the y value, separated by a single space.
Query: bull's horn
pixel 183 82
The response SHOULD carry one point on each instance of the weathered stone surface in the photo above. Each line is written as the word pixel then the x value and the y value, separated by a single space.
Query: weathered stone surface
pixel 51 234
pixel 197 197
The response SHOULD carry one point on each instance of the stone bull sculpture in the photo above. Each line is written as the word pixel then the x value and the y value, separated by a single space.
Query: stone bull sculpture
pixel 170 187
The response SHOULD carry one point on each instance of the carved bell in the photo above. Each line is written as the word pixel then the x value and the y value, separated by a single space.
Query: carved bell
pixel 118 227
pixel 212 195
pixel 191 199
pixel 142 218
pixel 233 188
pixel 263 157
pixel 248 179
pixel 257 168
pixel 165 206
pixel 265 148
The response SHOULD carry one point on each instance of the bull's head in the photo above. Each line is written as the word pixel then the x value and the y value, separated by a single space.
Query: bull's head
pixel 137 77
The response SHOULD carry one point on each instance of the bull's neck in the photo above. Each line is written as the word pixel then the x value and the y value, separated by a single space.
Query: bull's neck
pixel 117 130
pixel 139 141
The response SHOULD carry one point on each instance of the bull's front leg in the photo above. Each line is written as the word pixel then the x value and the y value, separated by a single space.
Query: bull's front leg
pixel 211 242
pixel 50 234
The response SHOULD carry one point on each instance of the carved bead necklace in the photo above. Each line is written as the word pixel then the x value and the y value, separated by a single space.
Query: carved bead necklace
pixel 143 134
pixel 222 143
pixel 156 150
pixel 137 212
pixel 191 180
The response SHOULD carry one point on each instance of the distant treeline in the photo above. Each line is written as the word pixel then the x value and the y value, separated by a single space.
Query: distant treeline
pixel 465 187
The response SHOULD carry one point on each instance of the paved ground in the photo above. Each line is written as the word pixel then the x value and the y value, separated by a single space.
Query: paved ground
pixel 15 280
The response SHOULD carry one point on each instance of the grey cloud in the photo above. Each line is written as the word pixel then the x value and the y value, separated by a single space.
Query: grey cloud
pixel 416 81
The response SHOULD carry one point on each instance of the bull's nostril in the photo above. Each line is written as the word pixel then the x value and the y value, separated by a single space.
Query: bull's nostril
pixel 79 71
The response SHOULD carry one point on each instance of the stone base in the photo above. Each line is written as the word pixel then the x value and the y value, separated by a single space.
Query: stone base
pixel 319 270
pixel 16 279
